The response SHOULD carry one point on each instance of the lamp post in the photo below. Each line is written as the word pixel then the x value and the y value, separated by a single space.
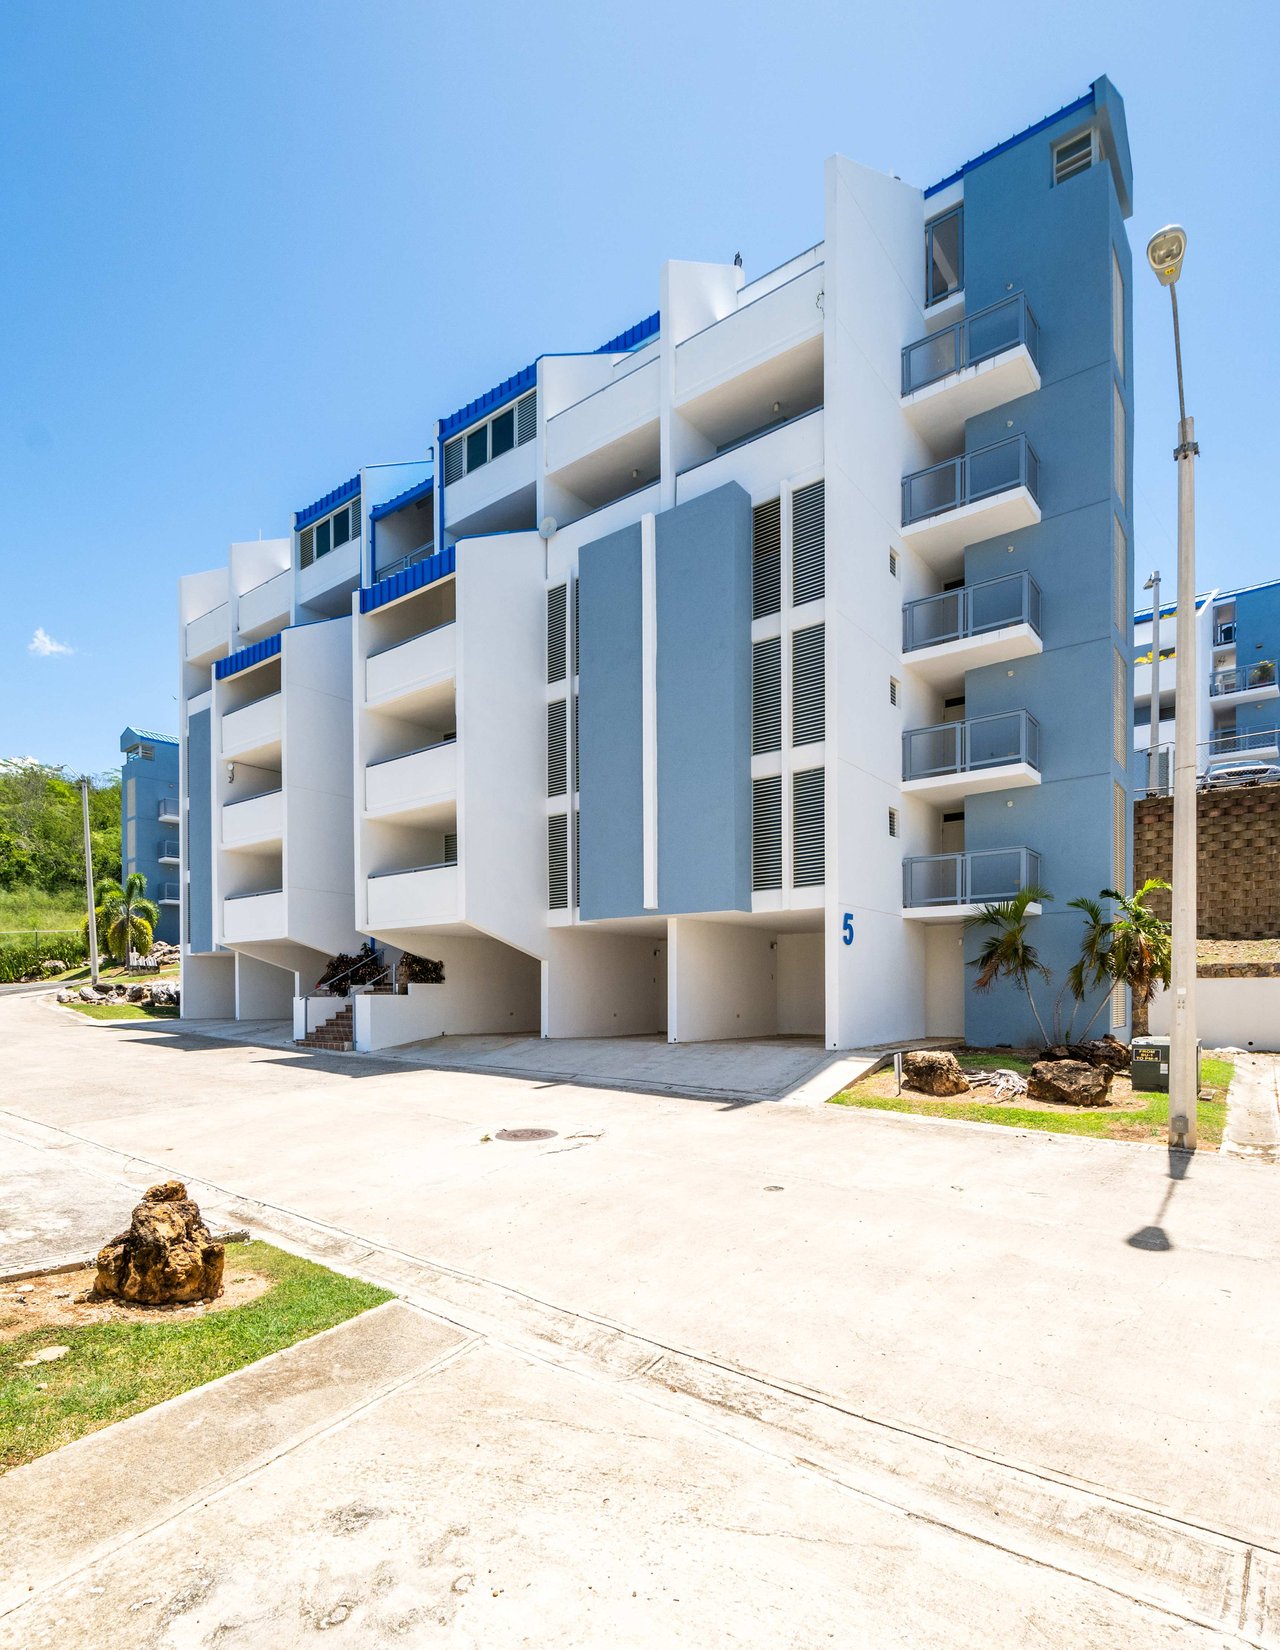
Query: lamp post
pixel 1153 732
pixel 1165 252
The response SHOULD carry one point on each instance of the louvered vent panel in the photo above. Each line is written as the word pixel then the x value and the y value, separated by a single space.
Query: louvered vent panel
pixel 808 543
pixel 455 460
pixel 558 862
pixel 808 857
pixel 766 559
pixel 766 696
pixel 557 748
pixel 526 418
pixel 451 847
pixel 808 689
pixel 576 770
pixel 354 508
pixel 766 832
pixel 1119 869
pixel 556 634
pixel 306 546
pixel 576 609
pixel 577 858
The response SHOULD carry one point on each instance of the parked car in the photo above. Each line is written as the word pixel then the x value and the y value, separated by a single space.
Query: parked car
pixel 1240 773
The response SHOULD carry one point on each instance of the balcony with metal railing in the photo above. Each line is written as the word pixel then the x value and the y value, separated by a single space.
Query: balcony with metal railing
pixel 1230 743
pixel 168 893
pixel 945 887
pixel 167 810
pixel 980 624
pixel 976 495
pixel 167 852
pixel 952 760
pixel 978 363
pixel 1245 684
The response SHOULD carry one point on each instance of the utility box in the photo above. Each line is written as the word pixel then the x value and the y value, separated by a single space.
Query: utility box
pixel 1149 1064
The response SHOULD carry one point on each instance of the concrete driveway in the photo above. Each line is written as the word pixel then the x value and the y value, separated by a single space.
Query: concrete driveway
pixel 1055 1353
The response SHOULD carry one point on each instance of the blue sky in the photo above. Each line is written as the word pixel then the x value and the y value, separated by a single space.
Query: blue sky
pixel 251 245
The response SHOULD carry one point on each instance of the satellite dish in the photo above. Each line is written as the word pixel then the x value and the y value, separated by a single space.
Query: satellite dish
pixel 547 527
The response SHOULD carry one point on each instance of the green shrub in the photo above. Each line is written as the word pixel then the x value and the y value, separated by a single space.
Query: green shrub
pixel 22 957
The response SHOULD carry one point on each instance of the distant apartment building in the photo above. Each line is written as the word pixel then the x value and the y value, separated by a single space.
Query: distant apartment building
pixel 1237 705
pixel 705 681
pixel 149 816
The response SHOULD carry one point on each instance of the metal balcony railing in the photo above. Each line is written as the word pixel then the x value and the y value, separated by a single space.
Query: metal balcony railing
pixel 167 809
pixel 1240 678
pixel 970 477
pixel 962 747
pixel 954 614
pixel 978 337
pixel 167 850
pixel 168 893
pixel 1238 741
pixel 980 878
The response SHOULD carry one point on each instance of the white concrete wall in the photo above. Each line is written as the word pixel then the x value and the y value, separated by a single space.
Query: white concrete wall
pixel 944 979
pixel 1229 1014
pixel 598 984
pixel 721 981
pixel 263 991
pixel 801 986
pixel 208 986
pixel 488 987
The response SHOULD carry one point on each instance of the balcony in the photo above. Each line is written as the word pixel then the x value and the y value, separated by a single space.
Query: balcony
pixel 253 727
pixel 256 822
pixel 966 369
pixel 414 785
pixel 607 419
pixel 1245 684
pixel 208 633
pixel 167 810
pixel 950 887
pixel 249 917
pixel 766 329
pixel 411 666
pixel 421 897
pixel 957 759
pixel 168 853
pixel 168 893
pixel 979 495
pixel 266 607
pixel 982 624
pixel 1258 743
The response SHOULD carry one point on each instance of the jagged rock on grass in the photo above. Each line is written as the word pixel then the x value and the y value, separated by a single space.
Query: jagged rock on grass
pixel 166 1257
pixel 933 1071
pixel 1070 1083
pixel 1108 1053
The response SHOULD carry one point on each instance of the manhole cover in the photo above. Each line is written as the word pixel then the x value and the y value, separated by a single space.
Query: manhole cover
pixel 525 1134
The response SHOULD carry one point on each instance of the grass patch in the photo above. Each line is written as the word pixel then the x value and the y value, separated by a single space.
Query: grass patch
pixel 1143 1115
pixel 24 912
pixel 115 975
pixel 123 1011
pixel 117 1369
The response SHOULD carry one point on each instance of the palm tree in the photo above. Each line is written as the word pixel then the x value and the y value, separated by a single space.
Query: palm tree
pixel 1092 967
pixel 126 918
pixel 1006 951
pixel 1140 951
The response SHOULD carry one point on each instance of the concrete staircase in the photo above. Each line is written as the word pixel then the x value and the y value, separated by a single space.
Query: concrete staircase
pixel 335 1035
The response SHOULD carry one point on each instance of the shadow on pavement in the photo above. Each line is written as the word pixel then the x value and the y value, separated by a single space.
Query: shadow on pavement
pixel 1154 1237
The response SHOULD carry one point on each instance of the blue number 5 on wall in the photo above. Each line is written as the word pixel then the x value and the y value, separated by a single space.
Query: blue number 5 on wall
pixel 846 928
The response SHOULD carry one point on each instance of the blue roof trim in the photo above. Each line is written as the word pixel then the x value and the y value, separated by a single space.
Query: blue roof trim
pixel 412 578
pixel 401 501
pixel 132 736
pixel 254 654
pixel 330 501
pixel 633 336
pixel 1085 102
pixel 491 400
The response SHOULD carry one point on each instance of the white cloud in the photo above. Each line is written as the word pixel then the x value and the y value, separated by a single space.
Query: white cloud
pixel 43 645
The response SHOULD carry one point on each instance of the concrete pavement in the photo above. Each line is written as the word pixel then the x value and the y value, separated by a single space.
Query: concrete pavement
pixel 971 1326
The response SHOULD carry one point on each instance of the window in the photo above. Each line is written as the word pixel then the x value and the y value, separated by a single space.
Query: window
pixel 808 853
pixel 808 686
pixel 766 832
pixel 512 427
pixel 1118 441
pixel 893 690
pixel 318 538
pixel 1074 155
pixel 145 753
pixel 1117 312
pixel 893 564
pixel 1124 601
pixel 766 695
pixel 893 822
pixel 558 862
pixel 557 599
pixel 766 559
pixel 808 543
pixel 1120 706
pixel 944 255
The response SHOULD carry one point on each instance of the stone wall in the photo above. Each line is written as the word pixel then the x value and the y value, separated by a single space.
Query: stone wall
pixel 1238 859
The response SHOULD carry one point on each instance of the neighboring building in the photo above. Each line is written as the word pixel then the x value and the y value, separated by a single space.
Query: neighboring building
pixel 714 675
pixel 149 815
pixel 1237 682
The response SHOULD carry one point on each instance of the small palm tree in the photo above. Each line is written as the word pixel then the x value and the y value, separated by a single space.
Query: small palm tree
pixel 126 919
pixel 1006 951
pixel 1140 950
pixel 1092 968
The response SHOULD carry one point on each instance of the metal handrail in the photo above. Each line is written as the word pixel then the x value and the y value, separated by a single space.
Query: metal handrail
pixel 449 739
pixel 952 349
pixel 1240 678
pixel 239 801
pixel 970 477
pixel 962 888
pixel 409 870
pixel 416 637
pixel 966 749
pixel 974 611
pixel 1243 739
pixel 255 893
pixel 326 987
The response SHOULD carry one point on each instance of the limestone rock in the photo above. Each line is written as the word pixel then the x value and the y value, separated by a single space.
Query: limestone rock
pixel 166 1256
pixel 933 1071
pixel 51 965
pixel 1070 1082
pixel 1110 1052
pixel 89 995
pixel 135 993
pixel 162 994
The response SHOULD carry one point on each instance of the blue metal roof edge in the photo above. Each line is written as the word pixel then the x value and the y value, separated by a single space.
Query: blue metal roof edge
pixel 401 500
pixel 410 579
pixel 490 401
pixel 254 654
pixel 134 735
pixel 1085 102
pixel 330 501
pixel 632 336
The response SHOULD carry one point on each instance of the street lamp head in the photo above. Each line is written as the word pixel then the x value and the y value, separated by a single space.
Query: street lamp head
pixel 1165 252
pixel 1153 579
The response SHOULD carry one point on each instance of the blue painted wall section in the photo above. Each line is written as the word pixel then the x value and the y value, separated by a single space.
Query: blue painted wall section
pixel 144 783
pixel 199 855
pixel 610 775
pixel 703 579
pixel 1016 224
pixel 1258 638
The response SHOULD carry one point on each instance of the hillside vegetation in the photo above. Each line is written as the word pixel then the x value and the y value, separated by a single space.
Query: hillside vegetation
pixel 41 848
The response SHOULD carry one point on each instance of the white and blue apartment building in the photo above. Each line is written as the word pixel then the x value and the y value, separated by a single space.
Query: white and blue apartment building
pixel 149 815
pixel 701 683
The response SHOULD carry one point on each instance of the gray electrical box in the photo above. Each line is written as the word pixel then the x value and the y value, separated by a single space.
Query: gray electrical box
pixel 1149 1064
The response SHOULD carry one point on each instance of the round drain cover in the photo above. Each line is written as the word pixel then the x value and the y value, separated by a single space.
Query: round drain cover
pixel 525 1134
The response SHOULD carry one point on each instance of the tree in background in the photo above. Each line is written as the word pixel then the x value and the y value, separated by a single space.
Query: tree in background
pixel 126 918
pixel 41 833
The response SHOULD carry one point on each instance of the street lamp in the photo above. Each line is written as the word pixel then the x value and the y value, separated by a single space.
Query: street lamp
pixel 1165 252
pixel 1153 731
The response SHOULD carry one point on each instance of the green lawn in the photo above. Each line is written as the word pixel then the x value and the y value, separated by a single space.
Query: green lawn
pixel 123 1011
pixel 1149 1121
pixel 24 911
pixel 116 1369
